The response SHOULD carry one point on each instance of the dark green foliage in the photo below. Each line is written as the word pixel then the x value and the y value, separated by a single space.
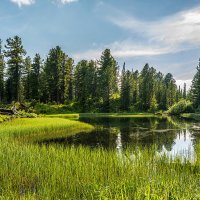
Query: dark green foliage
pixel 14 53
pixel 85 77
pixel 107 79
pixel 146 86
pixel 183 106
pixel 2 67
pixel 170 91
pixel 27 78
pixel 68 79
pixel 184 91
pixel 89 86
pixel 35 77
pixel 195 89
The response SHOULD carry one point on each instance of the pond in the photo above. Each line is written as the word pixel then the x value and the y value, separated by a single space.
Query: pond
pixel 172 136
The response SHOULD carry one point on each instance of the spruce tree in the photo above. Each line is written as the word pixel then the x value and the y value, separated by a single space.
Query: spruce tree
pixel 2 67
pixel 108 79
pixel 27 78
pixel 185 91
pixel 195 88
pixel 35 77
pixel 68 79
pixel 54 74
pixel 14 53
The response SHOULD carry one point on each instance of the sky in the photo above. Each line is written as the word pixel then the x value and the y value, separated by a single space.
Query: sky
pixel 163 33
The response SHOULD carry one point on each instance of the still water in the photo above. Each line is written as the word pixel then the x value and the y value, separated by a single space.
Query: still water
pixel 171 136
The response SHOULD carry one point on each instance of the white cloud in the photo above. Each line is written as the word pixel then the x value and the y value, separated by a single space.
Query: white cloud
pixel 176 33
pixel 179 31
pixel 67 1
pixel 126 49
pixel 21 3
pixel 181 83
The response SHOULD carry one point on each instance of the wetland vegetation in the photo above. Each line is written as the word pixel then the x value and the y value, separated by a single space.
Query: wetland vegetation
pixel 87 131
pixel 122 158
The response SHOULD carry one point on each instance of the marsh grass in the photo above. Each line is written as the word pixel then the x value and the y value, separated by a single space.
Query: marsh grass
pixel 65 116
pixel 31 130
pixel 29 171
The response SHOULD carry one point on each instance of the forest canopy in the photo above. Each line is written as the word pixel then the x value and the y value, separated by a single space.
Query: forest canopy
pixel 90 86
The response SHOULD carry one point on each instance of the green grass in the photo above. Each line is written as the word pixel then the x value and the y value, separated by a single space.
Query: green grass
pixel 118 115
pixel 33 172
pixel 65 116
pixel 4 118
pixel 42 128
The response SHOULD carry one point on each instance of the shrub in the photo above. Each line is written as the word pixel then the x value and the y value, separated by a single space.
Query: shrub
pixel 183 106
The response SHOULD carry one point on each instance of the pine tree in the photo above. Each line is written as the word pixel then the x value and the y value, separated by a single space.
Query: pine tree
pixel 27 78
pixel 185 91
pixel 68 79
pixel 195 88
pixel 2 67
pixel 14 52
pixel 54 74
pixel 108 79
pixel 35 77
pixel 85 85
pixel 153 104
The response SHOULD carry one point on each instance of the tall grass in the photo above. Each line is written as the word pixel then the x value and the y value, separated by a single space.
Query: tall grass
pixel 33 172
pixel 30 171
pixel 42 128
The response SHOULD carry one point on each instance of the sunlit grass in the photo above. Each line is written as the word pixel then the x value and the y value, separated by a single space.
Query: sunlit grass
pixel 65 116
pixel 31 171
pixel 54 172
pixel 42 128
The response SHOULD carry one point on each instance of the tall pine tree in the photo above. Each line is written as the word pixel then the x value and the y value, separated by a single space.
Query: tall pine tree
pixel 14 53
pixel 107 79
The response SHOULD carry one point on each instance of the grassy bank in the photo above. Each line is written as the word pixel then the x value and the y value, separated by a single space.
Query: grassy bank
pixel 136 115
pixel 41 128
pixel 92 115
pixel 33 172
pixel 30 171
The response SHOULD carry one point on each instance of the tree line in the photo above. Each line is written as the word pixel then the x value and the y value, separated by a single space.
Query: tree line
pixel 88 85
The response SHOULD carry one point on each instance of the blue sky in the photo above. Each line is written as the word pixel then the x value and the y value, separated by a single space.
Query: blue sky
pixel 164 33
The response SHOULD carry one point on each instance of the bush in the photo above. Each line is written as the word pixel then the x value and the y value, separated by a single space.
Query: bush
pixel 183 106
pixel 41 108
pixel 24 114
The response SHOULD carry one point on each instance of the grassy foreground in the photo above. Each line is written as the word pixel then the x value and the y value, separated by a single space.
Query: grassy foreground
pixel 33 172
pixel 30 171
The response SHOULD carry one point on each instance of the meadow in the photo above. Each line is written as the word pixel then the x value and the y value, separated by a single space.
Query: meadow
pixel 32 171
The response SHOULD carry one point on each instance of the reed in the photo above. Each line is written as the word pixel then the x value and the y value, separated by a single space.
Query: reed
pixel 32 171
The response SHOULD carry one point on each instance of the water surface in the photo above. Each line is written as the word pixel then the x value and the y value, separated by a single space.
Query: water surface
pixel 171 136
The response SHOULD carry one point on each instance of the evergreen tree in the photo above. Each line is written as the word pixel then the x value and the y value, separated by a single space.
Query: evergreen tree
pixel 54 74
pixel 107 79
pixel 195 88
pixel 146 86
pixel 153 104
pixel 2 67
pixel 35 77
pixel 184 91
pixel 14 53
pixel 170 91
pixel 68 79
pixel 85 84
pixel 27 78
